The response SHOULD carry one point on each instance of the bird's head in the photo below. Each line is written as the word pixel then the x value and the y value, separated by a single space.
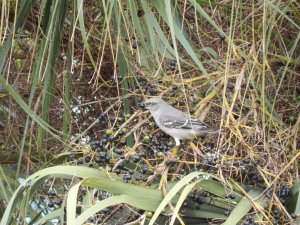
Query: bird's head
pixel 152 104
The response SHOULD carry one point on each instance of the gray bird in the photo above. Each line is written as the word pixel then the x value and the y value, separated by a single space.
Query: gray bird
pixel 177 124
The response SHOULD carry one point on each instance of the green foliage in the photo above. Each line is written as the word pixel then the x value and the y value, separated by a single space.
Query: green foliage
pixel 145 198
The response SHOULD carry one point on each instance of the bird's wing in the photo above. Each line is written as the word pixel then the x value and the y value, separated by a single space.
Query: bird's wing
pixel 182 122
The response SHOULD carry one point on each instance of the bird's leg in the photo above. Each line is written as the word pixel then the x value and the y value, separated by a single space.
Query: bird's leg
pixel 159 170
pixel 164 177
pixel 177 141
pixel 162 167
pixel 175 149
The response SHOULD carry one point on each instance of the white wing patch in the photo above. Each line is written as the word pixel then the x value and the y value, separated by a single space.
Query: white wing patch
pixel 167 122
pixel 185 123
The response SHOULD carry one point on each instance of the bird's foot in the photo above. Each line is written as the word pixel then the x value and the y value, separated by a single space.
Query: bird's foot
pixel 158 171
pixel 174 151
pixel 163 166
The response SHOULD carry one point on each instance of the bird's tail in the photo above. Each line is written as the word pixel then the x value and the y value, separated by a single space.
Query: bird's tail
pixel 213 130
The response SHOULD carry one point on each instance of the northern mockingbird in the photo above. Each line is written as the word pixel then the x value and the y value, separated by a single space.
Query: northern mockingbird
pixel 177 124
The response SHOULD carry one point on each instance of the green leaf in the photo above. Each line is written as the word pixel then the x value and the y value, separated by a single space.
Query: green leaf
pixel 297 208
pixel 150 197
pixel 276 8
pixel 54 30
pixel 72 203
pixel 188 188
pixel 210 51
pixel 122 54
pixel 83 32
pixel 177 187
pixel 26 108
pixel 130 200
pixel 51 215
pixel 243 207
pixel 176 32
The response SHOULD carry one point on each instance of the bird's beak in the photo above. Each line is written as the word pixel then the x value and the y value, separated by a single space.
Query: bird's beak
pixel 142 105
